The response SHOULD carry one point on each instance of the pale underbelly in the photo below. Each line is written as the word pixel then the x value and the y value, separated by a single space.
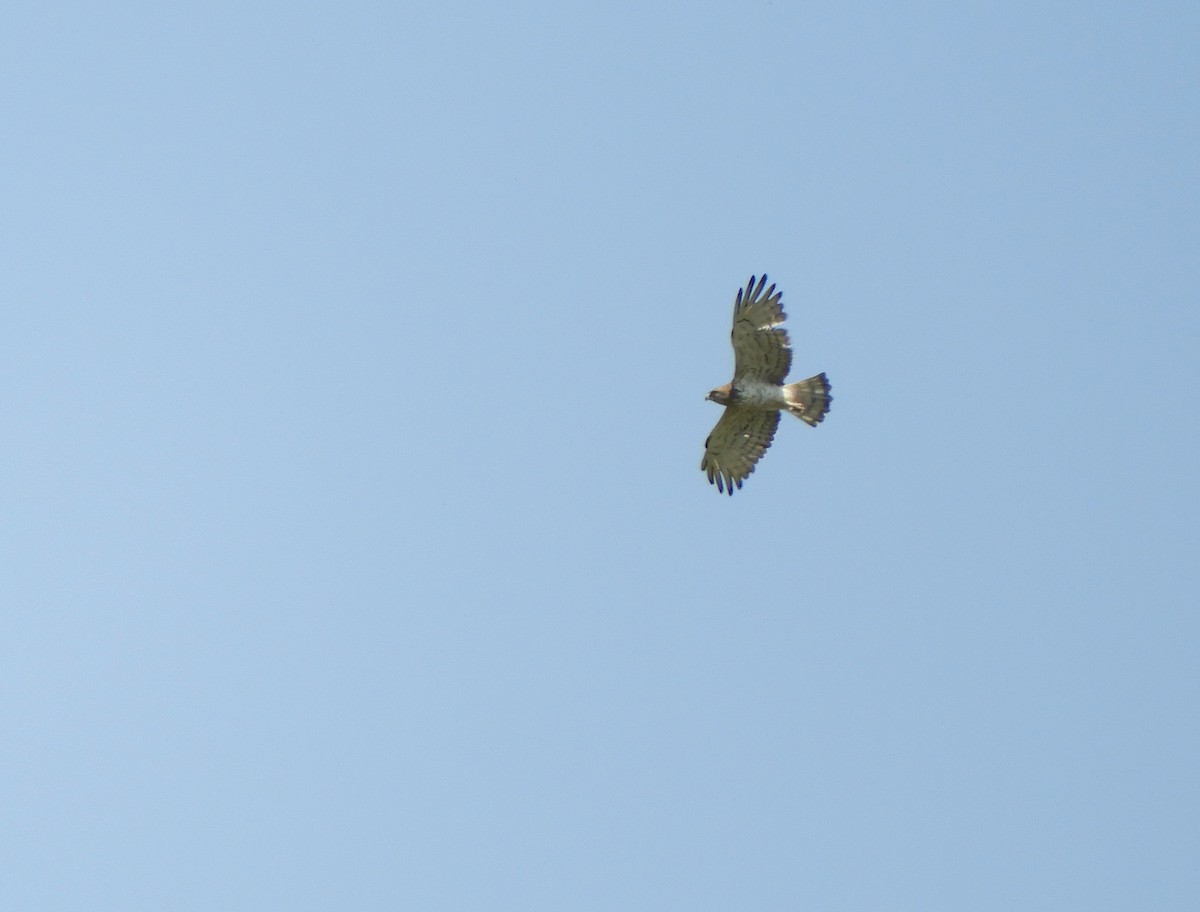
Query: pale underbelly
pixel 760 396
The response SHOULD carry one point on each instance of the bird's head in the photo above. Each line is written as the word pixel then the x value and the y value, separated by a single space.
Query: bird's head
pixel 720 395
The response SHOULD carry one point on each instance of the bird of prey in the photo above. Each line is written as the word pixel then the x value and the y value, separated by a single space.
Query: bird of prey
pixel 754 398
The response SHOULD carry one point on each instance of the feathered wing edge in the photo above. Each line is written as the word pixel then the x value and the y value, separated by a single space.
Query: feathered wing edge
pixel 736 444
pixel 761 348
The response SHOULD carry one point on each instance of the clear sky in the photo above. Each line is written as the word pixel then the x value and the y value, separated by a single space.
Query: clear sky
pixel 356 554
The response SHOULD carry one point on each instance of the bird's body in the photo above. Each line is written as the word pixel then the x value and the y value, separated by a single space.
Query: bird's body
pixel 757 393
pixel 751 394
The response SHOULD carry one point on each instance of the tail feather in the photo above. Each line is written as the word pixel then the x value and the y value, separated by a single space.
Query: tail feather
pixel 809 399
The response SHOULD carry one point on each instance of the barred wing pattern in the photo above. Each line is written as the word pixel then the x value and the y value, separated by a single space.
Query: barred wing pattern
pixel 736 444
pixel 760 346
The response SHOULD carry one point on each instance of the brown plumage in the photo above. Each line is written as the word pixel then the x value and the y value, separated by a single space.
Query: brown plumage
pixel 754 398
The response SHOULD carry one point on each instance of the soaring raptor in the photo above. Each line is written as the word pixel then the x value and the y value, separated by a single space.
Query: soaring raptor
pixel 754 398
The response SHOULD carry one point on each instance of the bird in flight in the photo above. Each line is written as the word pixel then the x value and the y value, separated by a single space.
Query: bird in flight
pixel 762 357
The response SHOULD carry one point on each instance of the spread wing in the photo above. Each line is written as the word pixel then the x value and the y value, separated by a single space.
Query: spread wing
pixel 760 346
pixel 736 444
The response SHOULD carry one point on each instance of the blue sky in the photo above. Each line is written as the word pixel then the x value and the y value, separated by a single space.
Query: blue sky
pixel 356 551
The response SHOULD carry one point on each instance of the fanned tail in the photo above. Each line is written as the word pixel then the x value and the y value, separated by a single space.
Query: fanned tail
pixel 809 399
